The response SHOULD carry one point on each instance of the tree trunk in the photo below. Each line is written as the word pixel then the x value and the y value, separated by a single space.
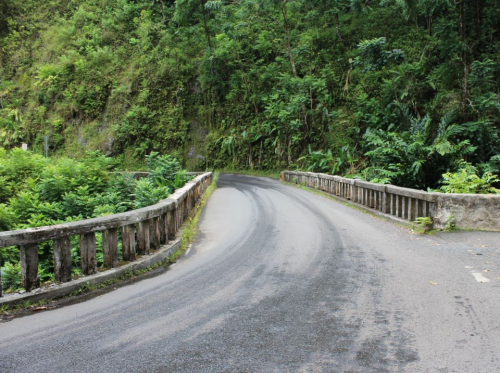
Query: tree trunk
pixel 205 24
pixel 337 21
pixel 464 53
pixel 287 37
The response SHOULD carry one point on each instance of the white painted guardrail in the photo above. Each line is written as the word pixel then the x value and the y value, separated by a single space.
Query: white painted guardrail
pixel 464 211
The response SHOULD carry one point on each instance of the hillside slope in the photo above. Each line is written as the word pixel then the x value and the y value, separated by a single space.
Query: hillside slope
pixel 393 90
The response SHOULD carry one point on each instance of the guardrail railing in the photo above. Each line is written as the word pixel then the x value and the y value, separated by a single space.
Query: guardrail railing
pixel 467 211
pixel 142 230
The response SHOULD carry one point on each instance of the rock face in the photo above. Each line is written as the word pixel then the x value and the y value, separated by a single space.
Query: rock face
pixel 468 211
pixel 196 153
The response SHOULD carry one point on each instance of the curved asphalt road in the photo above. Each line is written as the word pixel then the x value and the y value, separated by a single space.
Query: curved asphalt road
pixel 283 280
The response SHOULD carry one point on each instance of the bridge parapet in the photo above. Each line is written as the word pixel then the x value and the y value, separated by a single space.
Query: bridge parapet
pixel 465 211
pixel 142 230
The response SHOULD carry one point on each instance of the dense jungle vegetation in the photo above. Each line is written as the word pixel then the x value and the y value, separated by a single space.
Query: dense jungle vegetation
pixel 400 91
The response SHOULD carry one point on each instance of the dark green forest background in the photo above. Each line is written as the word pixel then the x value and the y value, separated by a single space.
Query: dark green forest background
pixel 399 91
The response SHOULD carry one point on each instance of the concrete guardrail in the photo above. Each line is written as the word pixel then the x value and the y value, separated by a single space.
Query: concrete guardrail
pixel 142 230
pixel 464 211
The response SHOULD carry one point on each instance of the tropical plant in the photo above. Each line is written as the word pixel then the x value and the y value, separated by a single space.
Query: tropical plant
pixel 466 180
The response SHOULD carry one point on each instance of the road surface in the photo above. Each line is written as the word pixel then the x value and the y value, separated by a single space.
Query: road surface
pixel 284 280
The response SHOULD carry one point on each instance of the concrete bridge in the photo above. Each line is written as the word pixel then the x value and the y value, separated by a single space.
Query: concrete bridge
pixel 284 280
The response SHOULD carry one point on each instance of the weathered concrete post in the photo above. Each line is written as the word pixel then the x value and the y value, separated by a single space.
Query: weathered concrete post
pixel 162 228
pixel 143 240
pixel 186 208
pixel 128 243
pixel 386 202
pixel 399 206
pixel 154 234
pixel 179 212
pixel 29 267
pixel 88 263
pixel 110 248
pixel 355 191
pixel 170 225
pixel 420 208
pixel 413 202
pixel 62 259
pixel 425 209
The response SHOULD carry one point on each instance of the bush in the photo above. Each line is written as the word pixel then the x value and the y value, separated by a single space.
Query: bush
pixel 11 276
pixel 7 217
pixel 318 161
pixel 146 194
pixel 465 180
pixel 162 169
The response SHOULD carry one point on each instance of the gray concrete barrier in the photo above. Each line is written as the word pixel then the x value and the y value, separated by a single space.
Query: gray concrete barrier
pixel 464 211
pixel 142 230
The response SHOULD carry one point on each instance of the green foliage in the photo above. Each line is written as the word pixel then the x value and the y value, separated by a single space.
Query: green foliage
pixel 414 158
pixel 147 194
pixel 252 84
pixel 373 56
pixel 11 276
pixel 423 224
pixel 465 180
pixel 318 161
pixel 450 224
pixel 162 169
pixel 66 190
pixel 7 217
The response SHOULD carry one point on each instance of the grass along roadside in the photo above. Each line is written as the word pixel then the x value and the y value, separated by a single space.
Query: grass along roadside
pixel 260 173
pixel 191 228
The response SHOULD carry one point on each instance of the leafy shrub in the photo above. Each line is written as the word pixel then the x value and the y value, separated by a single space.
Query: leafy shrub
pixel 423 224
pixel 466 180
pixel 181 178
pixel 162 169
pixel 5 189
pixel 11 276
pixel 373 56
pixel 24 204
pixel 9 254
pixel 318 161
pixel 146 194
pixel 7 217
pixel 414 158
pixel 18 165
pixel 46 273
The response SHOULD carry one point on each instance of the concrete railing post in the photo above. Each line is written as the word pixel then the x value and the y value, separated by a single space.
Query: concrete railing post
pixel 143 240
pixel 128 243
pixel 355 189
pixel 62 259
pixel 110 248
pixel 385 203
pixel 162 227
pixel 154 236
pixel 88 263
pixel 171 225
pixel 29 267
